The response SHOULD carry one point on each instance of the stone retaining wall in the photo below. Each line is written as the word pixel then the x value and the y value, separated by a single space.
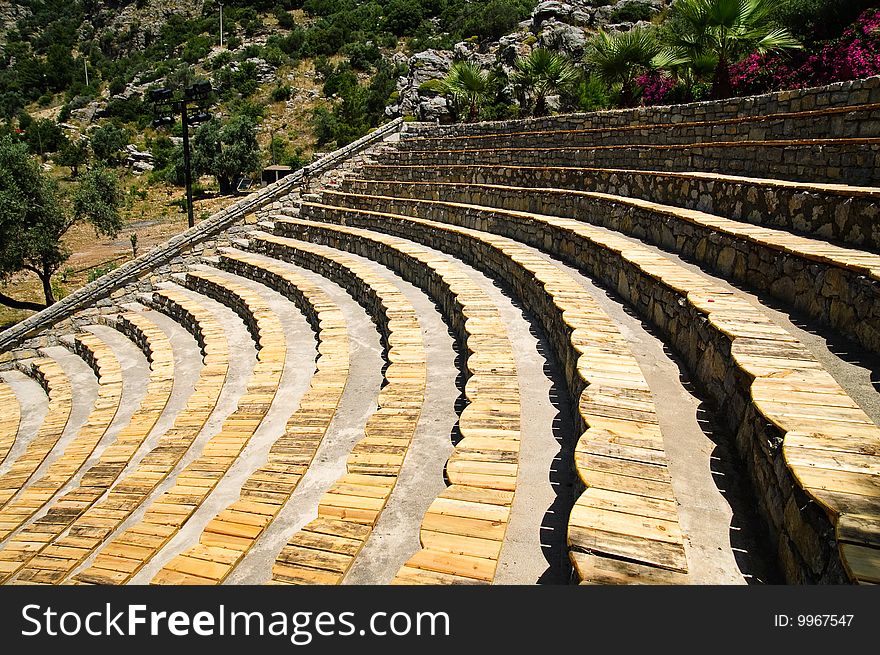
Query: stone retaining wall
pixel 846 299
pixel 841 94
pixel 835 123
pixel 834 162
pixel 848 216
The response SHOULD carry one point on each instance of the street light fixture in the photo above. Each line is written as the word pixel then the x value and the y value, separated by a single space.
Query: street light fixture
pixel 166 106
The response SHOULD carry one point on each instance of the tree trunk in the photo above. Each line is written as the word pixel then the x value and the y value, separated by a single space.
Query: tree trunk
pixel 473 112
pixel 19 304
pixel 540 105
pixel 721 87
pixel 628 94
pixel 225 185
pixel 46 279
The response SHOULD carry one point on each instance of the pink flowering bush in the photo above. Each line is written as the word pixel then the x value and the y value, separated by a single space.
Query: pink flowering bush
pixel 655 87
pixel 659 88
pixel 854 55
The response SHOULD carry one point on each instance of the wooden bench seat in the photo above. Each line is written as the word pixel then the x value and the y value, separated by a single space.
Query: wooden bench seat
pixel 10 419
pixel 233 531
pixel 56 558
pixel 840 213
pixel 835 285
pixel 373 465
pixel 766 380
pixel 197 480
pixel 52 378
pixel 610 411
pixel 39 492
pixel 113 460
pixel 492 413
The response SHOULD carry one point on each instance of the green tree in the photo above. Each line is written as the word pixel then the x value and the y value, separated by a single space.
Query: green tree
pixel 74 154
pixel 724 30
pixel 227 151
pixel 466 87
pixel 107 141
pixel 34 218
pixel 541 74
pixel 44 136
pixel 402 17
pixel 617 59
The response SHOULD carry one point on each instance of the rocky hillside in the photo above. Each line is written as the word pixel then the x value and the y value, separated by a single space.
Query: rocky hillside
pixel 563 26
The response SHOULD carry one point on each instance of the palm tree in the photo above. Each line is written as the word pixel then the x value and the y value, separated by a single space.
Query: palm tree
pixel 620 57
pixel 705 32
pixel 543 73
pixel 466 85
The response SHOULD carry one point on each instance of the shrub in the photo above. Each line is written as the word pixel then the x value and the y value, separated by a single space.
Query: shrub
pixel 854 55
pixel 632 13
pixel 280 93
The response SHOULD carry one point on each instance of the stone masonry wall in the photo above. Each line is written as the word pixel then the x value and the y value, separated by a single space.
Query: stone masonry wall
pixel 834 162
pixel 843 298
pixel 849 217
pixel 855 92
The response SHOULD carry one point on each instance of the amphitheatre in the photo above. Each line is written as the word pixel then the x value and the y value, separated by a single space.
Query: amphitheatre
pixel 636 346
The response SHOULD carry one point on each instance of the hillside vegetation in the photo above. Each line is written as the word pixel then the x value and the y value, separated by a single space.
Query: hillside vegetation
pixel 293 78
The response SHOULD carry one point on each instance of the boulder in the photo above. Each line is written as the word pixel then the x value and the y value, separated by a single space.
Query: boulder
pixel 433 109
pixel 550 10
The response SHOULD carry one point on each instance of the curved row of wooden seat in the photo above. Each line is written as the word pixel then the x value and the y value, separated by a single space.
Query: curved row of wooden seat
pixel 53 561
pixel 813 123
pixel 126 553
pixel 625 525
pixel 849 161
pixel 353 504
pixel 232 532
pixel 37 493
pixel 772 388
pixel 54 380
pixel 837 212
pixel 463 530
pixel 835 285
pixel 22 547
pixel 9 420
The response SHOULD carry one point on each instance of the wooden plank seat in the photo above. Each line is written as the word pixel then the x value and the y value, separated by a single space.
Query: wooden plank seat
pixel 19 550
pixel 354 503
pixel 233 531
pixel 809 160
pixel 815 123
pixel 805 436
pixel 126 553
pixel 840 213
pixel 53 379
pixel 484 465
pixel 10 419
pixel 41 491
pixel 616 413
pixel 52 560
pixel 835 285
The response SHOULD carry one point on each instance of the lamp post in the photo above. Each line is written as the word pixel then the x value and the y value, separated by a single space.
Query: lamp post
pixel 221 24
pixel 166 106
